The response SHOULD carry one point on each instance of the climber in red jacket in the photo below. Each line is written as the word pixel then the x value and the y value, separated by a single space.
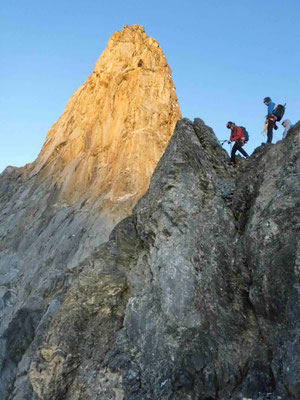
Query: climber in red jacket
pixel 237 136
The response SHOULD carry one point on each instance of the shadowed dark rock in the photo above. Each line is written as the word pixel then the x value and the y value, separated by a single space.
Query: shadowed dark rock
pixel 194 296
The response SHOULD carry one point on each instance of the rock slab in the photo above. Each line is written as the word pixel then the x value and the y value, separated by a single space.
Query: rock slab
pixel 195 295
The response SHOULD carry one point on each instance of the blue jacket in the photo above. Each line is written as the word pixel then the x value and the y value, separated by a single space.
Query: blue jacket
pixel 271 107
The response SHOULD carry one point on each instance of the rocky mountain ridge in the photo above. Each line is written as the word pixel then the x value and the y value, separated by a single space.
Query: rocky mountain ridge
pixel 195 295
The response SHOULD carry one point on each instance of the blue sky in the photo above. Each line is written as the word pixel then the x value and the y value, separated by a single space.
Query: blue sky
pixel 226 56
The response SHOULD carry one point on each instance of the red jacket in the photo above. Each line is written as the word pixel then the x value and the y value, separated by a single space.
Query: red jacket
pixel 237 134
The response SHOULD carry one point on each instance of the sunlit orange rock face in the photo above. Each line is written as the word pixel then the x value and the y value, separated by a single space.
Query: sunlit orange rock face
pixel 115 127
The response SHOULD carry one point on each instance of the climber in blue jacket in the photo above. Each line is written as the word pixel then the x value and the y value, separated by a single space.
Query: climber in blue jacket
pixel 270 118
pixel 270 104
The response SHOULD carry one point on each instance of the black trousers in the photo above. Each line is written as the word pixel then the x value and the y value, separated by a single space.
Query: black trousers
pixel 270 130
pixel 237 147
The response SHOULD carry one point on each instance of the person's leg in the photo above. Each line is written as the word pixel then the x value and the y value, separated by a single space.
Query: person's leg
pixel 233 151
pixel 274 124
pixel 241 150
pixel 270 131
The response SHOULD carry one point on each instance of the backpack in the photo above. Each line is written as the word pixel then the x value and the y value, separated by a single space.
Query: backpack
pixel 279 111
pixel 246 134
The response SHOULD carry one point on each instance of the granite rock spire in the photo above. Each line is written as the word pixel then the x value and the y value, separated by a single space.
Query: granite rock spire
pixel 115 127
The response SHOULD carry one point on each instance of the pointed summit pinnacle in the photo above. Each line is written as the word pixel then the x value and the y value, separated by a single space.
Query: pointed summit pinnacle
pixel 115 127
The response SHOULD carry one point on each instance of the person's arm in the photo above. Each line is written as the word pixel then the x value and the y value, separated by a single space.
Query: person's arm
pixel 232 136
pixel 284 133
pixel 271 107
pixel 240 134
